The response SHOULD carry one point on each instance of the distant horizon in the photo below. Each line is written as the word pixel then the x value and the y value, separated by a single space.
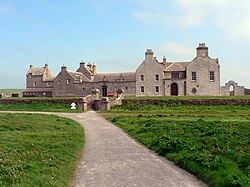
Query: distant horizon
pixel 115 35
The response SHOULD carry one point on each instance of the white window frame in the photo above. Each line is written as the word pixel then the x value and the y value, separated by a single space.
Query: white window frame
pixel 194 75
pixel 211 75
pixel 34 84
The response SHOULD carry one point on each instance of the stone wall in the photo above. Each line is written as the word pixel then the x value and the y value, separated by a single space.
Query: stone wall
pixel 235 89
pixel 49 101
pixel 192 102
pixel 247 91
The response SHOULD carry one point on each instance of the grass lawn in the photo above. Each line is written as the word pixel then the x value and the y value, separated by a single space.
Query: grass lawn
pixel 212 142
pixel 39 106
pixel 8 91
pixel 38 150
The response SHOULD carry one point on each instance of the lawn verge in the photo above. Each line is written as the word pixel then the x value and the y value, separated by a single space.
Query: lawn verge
pixel 38 150
pixel 211 142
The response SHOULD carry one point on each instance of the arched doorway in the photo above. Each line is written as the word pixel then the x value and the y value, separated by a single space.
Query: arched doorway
pixel 104 91
pixel 231 90
pixel 174 89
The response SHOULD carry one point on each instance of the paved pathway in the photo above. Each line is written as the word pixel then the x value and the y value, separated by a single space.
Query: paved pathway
pixel 112 159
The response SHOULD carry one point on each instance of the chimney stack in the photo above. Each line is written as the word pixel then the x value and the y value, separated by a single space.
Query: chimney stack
pixel 164 59
pixel 94 69
pixel 63 68
pixel 149 55
pixel 202 50
pixel 82 64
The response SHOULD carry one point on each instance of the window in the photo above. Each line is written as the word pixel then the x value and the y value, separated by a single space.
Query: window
pixel 34 84
pixel 211 75
pixel 48 83
pixel 194 76
pixel 142 89
pixel 157 89
pixel 59 82
pixel 126 88
pixel 121 79
pixel 68 81
pixel 142 77
pixel 175 75
pixel 157 77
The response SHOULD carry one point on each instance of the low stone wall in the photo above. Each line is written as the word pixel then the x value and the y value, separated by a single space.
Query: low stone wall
pixel 192 102
pixel 49 101
pixel 247 91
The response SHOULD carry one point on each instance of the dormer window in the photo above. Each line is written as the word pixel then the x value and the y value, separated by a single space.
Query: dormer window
pixel 68 81
pixel 34 84
pixel 120 78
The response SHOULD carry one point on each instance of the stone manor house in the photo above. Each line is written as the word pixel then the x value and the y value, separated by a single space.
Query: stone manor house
pixel 201 76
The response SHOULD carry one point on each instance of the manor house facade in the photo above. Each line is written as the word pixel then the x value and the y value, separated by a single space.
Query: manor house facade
pixel 201 76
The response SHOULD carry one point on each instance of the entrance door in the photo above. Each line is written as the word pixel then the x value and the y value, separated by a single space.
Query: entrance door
pixel 104 91
pixel 174 89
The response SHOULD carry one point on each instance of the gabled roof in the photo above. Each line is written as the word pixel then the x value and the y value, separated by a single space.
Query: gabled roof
pixel 49 79
pixel 77 76
pixel 113 77
pixel 175 66
pixel 36 71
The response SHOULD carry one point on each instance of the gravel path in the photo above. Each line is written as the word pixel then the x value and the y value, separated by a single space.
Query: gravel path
pixel 112 159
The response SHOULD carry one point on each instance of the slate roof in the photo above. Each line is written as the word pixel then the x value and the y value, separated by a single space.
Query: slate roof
pixel 36 71
pixel 49 79
pixel 115 77
pixel 75 75
pixel 35 89
pixel 175 66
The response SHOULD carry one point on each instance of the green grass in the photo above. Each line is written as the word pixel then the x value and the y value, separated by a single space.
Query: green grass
pixel 8 91
pixel 38 150
pixel 41 98
pixel 212 142
pixel 181 109
pixel 39 106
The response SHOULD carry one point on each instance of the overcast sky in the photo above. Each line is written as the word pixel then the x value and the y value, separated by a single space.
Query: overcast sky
pixel 116 33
